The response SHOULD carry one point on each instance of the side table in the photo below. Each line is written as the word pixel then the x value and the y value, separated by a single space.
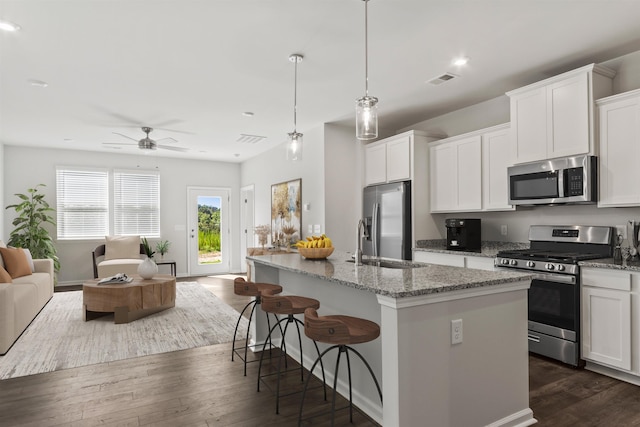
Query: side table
pixel 171 263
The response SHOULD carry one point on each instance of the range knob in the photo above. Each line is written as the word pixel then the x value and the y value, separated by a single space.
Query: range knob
pixel 549 266
pixel 504 261
pixel 560 267
pixel 513 262
pixel 531 264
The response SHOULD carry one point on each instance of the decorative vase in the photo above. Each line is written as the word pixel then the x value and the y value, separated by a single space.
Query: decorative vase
pixel 147 268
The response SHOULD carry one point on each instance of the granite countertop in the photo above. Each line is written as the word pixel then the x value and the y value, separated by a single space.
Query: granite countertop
pixel 397 283
pixel 611 264
pixel 488 249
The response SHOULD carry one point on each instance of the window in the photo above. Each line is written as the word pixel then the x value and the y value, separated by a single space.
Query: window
pixel 136 203
pixel 82 203
pixel 84 209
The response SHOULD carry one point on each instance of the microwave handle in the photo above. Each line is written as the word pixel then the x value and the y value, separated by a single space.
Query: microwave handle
pixel 561 187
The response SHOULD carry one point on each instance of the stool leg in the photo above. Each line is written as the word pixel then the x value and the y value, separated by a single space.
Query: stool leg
pixel 246 342
pixel 324 378
pixel 298 322
pixel 346 351
pixel 264 346
pixel 335 385
pixel 306 383
pixel 375 380
pixel 233 350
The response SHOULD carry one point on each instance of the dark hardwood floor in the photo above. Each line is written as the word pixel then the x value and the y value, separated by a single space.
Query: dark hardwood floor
pixel 202 387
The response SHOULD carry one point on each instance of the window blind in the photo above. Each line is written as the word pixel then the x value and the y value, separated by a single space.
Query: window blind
pixel 82 203
pixel 136 203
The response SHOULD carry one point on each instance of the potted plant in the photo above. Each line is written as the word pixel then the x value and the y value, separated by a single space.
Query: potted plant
pixel 148 267
pixel 29 232
pixel 163 247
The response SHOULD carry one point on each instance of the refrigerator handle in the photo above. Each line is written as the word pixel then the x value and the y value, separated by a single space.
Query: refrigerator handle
pixel 374 228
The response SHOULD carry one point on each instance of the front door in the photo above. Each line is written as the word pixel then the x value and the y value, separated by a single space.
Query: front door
pixel 208 231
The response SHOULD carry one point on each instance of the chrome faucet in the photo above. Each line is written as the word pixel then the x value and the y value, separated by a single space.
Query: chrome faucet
pixel 358 254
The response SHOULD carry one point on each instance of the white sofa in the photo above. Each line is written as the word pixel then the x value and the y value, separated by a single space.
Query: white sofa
pixel 22 300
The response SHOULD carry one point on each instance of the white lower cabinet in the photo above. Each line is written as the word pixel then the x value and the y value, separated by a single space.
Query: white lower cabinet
pixel 462 260
pixel 607 325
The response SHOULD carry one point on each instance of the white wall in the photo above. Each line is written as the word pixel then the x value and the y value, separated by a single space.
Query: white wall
pixel 3 236
pixel 272 167
pixel 28 167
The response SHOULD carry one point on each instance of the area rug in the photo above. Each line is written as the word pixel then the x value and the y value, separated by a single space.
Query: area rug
pixel 58 338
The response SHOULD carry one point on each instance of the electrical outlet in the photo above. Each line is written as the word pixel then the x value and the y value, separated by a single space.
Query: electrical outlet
pixel 456 331
pixel 622 229
pixel 310 228
pixel 503 230
pixel 316 228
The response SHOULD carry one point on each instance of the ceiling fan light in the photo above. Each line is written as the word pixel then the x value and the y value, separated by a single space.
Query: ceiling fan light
pixel 367 118
pixel 294 147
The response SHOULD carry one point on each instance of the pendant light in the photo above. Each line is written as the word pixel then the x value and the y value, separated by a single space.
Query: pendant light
pixel 367 106
pixel 294 146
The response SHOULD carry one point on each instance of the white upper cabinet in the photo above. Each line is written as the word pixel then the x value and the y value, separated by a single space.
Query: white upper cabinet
pixel 496 158
pixel 554 118
pixel 469 172
pixel 388 160
pixel 619 169
pixel 375 159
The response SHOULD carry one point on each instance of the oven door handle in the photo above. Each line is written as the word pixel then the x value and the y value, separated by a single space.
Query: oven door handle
pixel 533 338
pixel 566 279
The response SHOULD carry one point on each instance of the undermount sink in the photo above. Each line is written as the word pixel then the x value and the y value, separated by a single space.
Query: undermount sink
pixel 388 264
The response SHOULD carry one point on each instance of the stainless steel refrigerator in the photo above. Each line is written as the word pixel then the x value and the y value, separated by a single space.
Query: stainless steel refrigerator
pixel 387 218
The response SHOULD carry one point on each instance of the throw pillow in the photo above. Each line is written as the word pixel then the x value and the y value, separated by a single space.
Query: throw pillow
pixel 5 277
pixel 15 261
pixel 2 245
pixel 122 247
pixel 27 252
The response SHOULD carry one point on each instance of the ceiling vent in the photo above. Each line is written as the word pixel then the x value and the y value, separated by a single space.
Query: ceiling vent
pixel 250 139
pixel 443 78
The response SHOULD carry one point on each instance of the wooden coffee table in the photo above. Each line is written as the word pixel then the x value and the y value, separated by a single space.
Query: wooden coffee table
pixel 130 301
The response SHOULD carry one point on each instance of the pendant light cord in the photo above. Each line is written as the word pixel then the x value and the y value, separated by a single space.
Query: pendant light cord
pixel 295 94
pixel 366 49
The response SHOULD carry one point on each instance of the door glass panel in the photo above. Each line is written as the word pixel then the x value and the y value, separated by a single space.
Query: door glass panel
pixel 209 242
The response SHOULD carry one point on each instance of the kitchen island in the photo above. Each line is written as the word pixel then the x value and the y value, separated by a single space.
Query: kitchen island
pixel 426 380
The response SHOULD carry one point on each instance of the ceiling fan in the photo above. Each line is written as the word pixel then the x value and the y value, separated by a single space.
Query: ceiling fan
pixel 147 143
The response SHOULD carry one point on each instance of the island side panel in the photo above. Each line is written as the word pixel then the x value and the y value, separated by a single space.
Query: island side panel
pixel 259 328
pixel 481 381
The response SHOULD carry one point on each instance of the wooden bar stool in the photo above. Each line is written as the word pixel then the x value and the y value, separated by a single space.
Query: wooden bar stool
pixel 341 331
pixel 287 305
pixel 250 289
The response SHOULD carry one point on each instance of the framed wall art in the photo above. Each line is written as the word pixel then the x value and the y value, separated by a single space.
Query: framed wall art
pixel 286 212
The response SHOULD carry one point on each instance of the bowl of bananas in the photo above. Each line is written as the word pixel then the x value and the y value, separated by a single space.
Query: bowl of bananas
pixel 315 247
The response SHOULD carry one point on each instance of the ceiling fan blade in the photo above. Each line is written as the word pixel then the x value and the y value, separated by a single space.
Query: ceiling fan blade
pixel 119 143
pixel 168 147
pixel 167 139
pixel 128 137
pixel 175 131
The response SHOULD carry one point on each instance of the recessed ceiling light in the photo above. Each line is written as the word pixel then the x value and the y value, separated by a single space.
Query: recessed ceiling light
pixel 37 83
pixel 68 140
pixel 248 114
pixel 9 26
pixel 237 154
pixel 463 60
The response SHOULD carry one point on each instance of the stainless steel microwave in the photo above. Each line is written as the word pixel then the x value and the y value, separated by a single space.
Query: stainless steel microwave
pixel 556 181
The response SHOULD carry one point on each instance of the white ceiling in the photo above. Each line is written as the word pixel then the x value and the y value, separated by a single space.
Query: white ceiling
pixel 191 68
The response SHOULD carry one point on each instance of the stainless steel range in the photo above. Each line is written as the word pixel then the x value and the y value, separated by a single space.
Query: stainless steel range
pixel 554 295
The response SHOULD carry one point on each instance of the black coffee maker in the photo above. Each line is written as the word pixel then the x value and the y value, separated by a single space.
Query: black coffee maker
pixel 463 234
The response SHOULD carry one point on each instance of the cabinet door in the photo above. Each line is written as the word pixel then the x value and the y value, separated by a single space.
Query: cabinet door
pixel 480 263
pixel 399 159
pixel 606 326
pixel 619 168
pixel 439 258
pixel 496 157
pixel 568 121
pixel 375 164
pixel 529 125
pixel 443 177
pixel 469 174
